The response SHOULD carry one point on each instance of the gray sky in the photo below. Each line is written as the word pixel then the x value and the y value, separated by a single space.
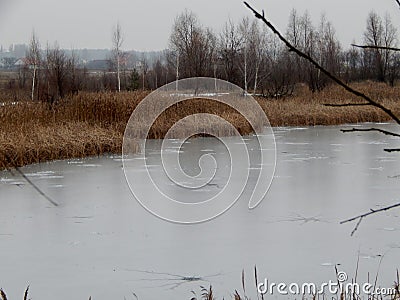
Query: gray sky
pixel 147 24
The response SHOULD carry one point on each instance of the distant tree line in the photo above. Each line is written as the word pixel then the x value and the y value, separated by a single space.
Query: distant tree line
pixel 243 53
pixel 252 57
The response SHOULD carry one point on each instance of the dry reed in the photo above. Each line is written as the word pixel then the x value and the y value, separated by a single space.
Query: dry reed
pixel 88 124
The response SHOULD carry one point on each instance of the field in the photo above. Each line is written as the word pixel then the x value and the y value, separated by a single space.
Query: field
pixel 89 124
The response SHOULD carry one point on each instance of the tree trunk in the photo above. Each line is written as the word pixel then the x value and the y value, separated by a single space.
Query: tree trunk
pixel 33 82
pixel 255 80
pixel 118 75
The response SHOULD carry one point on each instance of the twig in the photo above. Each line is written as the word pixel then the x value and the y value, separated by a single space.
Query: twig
pixel 134 295
pixel 256 282
pixel 8 159
pixel 375 47
pixel 371 129
pixel 36 187
pixel 3 295
pixel 172 280
pixel 319 67
pixel 356 227
pixel 26 293
pixel 347 104
pixel 371 212
pixel 340 83
pixel 356 273
pixel 392 150
pixel 377 272
pixel 397 285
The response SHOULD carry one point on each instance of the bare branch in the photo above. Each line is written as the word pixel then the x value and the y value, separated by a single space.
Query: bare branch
pixel 319 67
pixel 347 104
pixel 371 212
pixel 28 180
pixel 338 81
pixel 356 227
pixel 3 295
pixel 36 187
pixel 370 129
pixel 392 150
pixel 376 47
pixel 26 293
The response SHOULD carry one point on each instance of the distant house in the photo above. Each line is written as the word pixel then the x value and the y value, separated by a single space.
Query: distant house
pixel 98 65
pixel 21 62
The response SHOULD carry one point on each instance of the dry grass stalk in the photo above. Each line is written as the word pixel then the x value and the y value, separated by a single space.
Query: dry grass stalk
pixel 3 295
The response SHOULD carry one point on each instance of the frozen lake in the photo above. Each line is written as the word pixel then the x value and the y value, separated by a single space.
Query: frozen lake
pixel 101 242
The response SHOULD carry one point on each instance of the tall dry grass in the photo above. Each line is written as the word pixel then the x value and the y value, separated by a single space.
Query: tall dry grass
pixel 307 109
pixel 345 292
pixel 85 124
pixel 88 124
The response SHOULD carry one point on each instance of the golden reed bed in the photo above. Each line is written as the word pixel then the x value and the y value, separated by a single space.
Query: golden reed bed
pixel 89 124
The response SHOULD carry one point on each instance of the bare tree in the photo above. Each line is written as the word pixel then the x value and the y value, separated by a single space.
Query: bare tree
pixel 302 34
pixel 245 32
pixel 158 73
pixel 352 60
pixel 57 67
pixel 33 59
pixel 228 51
pixel 368 100
pixel 280 69
pixel 328 51
pixel 144 68
pixel 192 47
pixel 258 46
pixel 380 36
pixel 76 76
pixel 117 41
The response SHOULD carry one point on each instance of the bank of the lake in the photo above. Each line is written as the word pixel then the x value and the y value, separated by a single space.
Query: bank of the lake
pixel 89 124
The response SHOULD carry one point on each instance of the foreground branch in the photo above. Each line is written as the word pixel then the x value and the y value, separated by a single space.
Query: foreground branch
pixel 392 150
pixel 371 212
pixel 36 187
pixel 28 180
pixel 375 47
pixel 347 104
pixel 347 88
pixel 319 67
pixel 371 129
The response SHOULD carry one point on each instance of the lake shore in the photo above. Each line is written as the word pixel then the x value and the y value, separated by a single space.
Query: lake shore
pixel 90 124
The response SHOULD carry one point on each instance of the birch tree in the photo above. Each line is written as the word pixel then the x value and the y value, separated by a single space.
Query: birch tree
pixel 117 41
pixel 33 59
pixel 245 31
pixel 258 46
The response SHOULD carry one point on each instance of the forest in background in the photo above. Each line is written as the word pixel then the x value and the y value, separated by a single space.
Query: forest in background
pixel 244 53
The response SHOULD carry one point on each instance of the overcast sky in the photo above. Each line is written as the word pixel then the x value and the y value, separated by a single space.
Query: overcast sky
pixel 147 24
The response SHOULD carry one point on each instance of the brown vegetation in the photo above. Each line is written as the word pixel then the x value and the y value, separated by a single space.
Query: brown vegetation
pixel 88 124
pixel 308 109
